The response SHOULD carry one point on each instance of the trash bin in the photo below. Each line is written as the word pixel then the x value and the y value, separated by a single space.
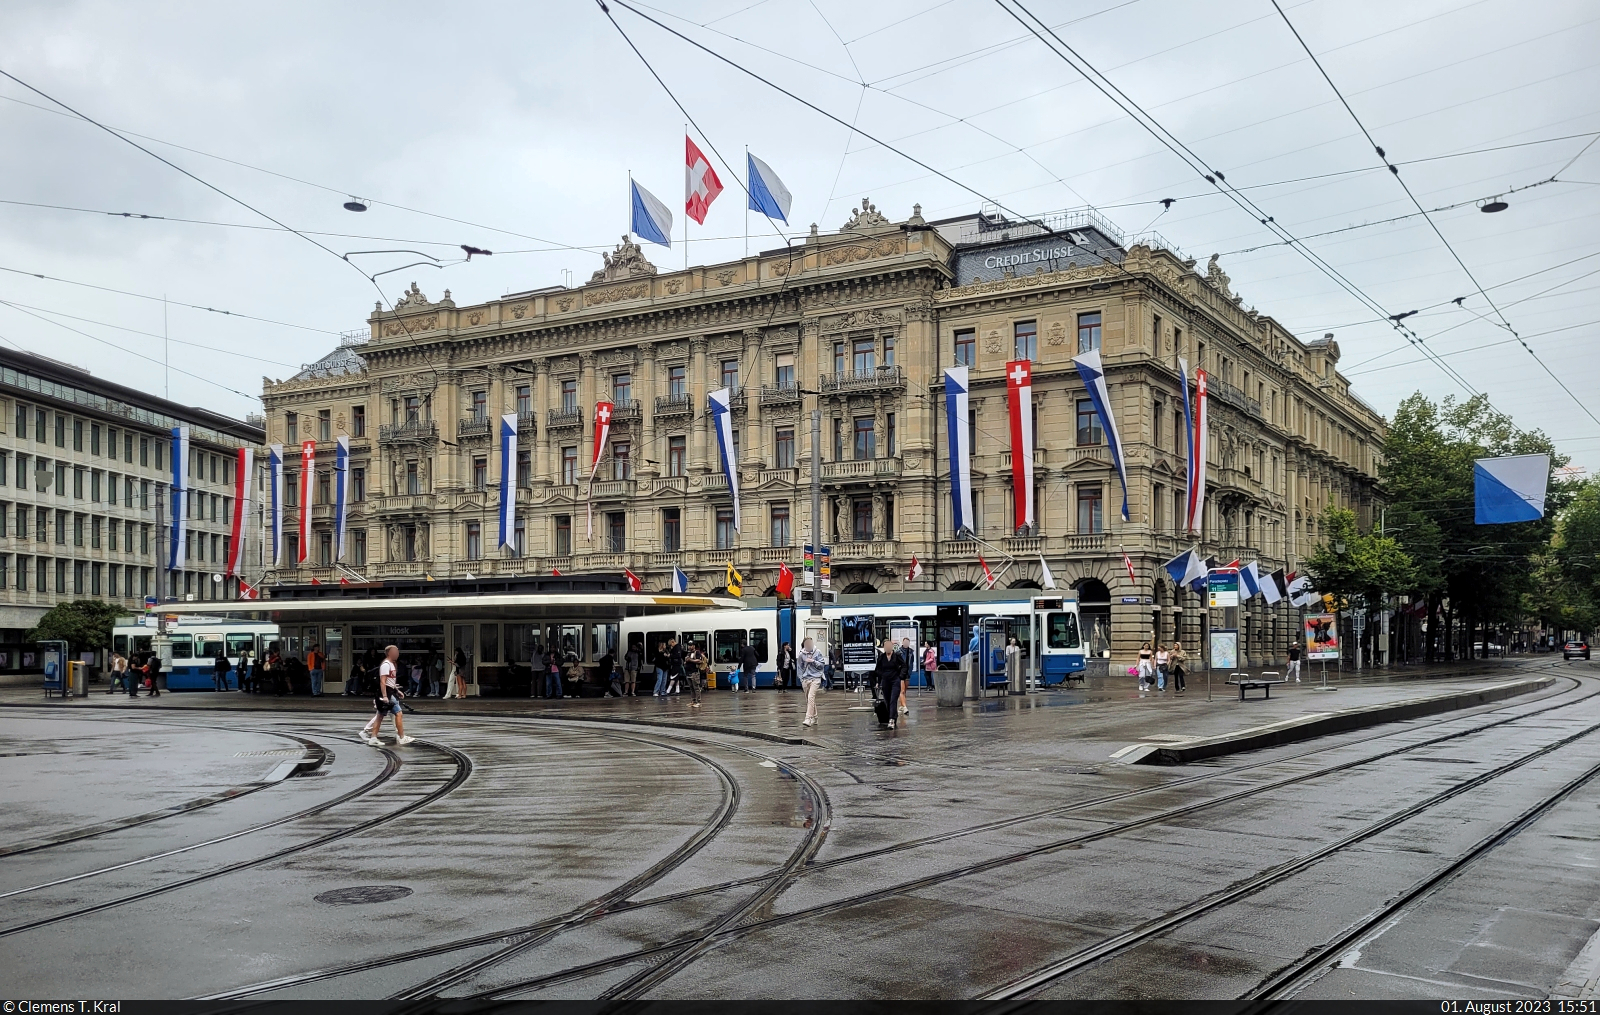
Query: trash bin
pixel 77 679
pixel 950 686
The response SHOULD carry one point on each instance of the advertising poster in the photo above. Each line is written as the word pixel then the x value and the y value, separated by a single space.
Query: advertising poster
pixel 1224 649
pixel 1322 636
pixel 856 644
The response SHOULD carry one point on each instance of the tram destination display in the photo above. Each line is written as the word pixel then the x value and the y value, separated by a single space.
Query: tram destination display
pixel 856 643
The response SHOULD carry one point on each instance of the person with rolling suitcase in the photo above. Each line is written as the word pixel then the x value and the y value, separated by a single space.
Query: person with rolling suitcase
pixel 886 676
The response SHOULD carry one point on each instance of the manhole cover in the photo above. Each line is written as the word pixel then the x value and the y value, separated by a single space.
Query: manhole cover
pixel 363 894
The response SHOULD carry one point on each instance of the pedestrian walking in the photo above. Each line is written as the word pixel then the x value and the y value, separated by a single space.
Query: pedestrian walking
pixel 136 674
pixel 676 653
pixel 886 677
pixel 748 663
pixel 1146 667
pixel 154 678
pixel 1175 662
pixel 696 662
pixel 552 678
pixel 786 678
pixel 930 662
pixel 453 689
pixel 630 670
pixel 316 662
pixel 1163 661
pixel 1294 662
pixel 813 666
pixel 386 701
pixel 219 671
pixel 119 673
pixel 435 675
pixel 661 662
pixel 908 665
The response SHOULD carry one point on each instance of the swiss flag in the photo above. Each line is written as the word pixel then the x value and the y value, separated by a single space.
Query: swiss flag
pixel 247 591
pixel 700 183
pixel 988 575
pixel 556 571
pixel 633 580
pixel 916 569
pixel 785 582
pixel 344 581
pixel 315 582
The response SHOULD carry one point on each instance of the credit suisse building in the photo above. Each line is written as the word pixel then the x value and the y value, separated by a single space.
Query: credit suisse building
pixel 859 323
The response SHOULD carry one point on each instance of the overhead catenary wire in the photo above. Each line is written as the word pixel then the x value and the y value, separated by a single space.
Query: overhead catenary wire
pixel 1427 217
pixel 149 334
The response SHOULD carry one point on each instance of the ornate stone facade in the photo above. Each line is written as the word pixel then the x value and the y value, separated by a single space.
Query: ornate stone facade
pixel 858 324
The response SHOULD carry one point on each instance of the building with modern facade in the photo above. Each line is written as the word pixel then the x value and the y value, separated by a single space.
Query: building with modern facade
pixel 859 324
pixel 83 465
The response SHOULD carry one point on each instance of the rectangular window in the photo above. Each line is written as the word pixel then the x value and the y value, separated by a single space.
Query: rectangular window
pixel 725 532
pixel 111 535
pixel 617 531
pixel 77 434
pixel 781 535
pixel 1091 518
pixel 1155 333
pixel 358 421
pixel 524 399
pixel 861 519
pixel 864 440
pixel 1156 417
pixel 94 485
pixel 783 374
pixel 671 530
pixel 863 355
pixel 563 535
pixel 489 643
pixel 1088 332
pixel 480 404
pixel 474 541
pixel 291 427
pixel 324 434
pixel 1025 340
pixel 413 480
pixel 77 482
pixel 413 410
pixel 480 473
pixel 524 469
pixel 677 381
pixel 22 424
pixel 519 537
pixel 966 348
pixel 1089 431
pixel 358 546
pixel 888 350
pixel 838 357
pixel 94 438
pixel 94 533
pixel 324 489
pixel 61 528
pixel 569 465
pixel 622 460
pixel 1157 506
pixel 730 374
pixel 324 548
pixel 358 484
pixel 677 451
pixel 783 448
pixel 892 438
pixel 291 491
pixel 144 451
pixel 569 395
pixel 621 389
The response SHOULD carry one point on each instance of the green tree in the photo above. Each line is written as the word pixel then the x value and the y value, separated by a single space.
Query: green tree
pixel 1359 567
pixel 84 624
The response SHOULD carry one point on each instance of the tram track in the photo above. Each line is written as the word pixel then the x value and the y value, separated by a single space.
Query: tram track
pixel 392 765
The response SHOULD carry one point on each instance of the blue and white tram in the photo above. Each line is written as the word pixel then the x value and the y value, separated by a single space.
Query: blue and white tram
pixel 195 641
pixel 1050 622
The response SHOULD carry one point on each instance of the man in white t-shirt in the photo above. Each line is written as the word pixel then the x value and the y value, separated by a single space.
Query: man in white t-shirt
pixel 386 701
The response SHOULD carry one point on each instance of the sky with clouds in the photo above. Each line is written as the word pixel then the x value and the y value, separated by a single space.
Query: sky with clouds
pixel 513 127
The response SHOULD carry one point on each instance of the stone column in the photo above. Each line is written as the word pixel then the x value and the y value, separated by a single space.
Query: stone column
pixel 646 392
pixel 699 432
pixel 750 380
pixel 543 474
pixel 589 392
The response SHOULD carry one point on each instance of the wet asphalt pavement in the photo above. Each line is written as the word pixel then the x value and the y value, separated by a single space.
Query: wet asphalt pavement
pixel 525 850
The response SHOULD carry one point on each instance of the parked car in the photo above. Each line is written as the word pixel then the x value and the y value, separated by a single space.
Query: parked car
pixel 1575 650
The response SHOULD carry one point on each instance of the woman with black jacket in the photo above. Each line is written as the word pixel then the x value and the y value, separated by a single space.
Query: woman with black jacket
pixel 886 677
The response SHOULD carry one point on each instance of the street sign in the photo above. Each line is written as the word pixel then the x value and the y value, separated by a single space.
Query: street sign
pixel 1130 600
pixel 149 602
pixel 1224 588
pixel 1322 636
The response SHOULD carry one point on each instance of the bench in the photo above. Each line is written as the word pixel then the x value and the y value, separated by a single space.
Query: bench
pixel 1263 683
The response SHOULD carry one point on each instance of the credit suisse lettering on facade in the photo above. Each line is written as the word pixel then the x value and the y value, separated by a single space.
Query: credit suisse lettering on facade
pixel 987 264
pixel 1026 257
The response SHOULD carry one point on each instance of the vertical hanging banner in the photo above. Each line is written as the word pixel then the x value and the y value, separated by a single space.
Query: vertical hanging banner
pixel 959 440
pixel 275 484
pixel 722 421
pixel 1188 436
pixel 508 479
pixel 1197 454
pixel 341 494
pixel 180 491
pixel 243 473
pixel 308 471
pixel 603 412
pixel 1094 378
pixel 1019 400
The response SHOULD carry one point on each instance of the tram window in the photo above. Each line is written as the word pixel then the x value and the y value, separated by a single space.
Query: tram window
pixel 653 643
pixel 489 643
pixel 730 646
pixel 1064 630
pixel 758 638
pixel 602 639
pixel 697 639
pixel 207 646
pixel 182 647
pixel 119 644
pixel 569 638
pixel 519 642
pixel 239 643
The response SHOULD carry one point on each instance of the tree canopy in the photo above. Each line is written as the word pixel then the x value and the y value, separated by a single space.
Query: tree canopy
pixel 84 624
pixel 1360 567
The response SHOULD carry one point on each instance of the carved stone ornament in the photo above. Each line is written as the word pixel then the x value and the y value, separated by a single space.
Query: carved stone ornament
pixel 412 298
pixel 474 318
pixel 674 286
pixel 865 217
pixel 780 269
pixel 1216 276
pixel 991 341
pixel 627 261
pixel 725 277
pixel 519 311
pixel 565 303
pixel 428 323
pixel 845 253
pixel 616 294
pixel 1057 334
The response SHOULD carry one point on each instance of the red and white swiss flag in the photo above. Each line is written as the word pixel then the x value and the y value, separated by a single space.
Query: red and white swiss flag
pixel 700 183
pixel 916 569
pixel 988 576
pixel 248 591
pixel 633 580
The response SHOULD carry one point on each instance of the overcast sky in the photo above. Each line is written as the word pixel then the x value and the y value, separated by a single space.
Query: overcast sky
pixel 525 120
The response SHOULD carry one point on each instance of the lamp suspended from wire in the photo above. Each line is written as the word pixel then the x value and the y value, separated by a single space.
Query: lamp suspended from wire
pixel 355 204
pixel 1493 205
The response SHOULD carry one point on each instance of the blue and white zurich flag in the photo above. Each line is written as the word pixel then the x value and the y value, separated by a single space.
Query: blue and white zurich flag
pixel 722 422
pixel 680 580
pixel 768 195
pixel 959 439
pixel 1186 568
pixel 275 488
pixel 1507 490
pixel 180 490
pixel 651 220
pixel 341 495
pixel 1094 378
pixel 508 478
